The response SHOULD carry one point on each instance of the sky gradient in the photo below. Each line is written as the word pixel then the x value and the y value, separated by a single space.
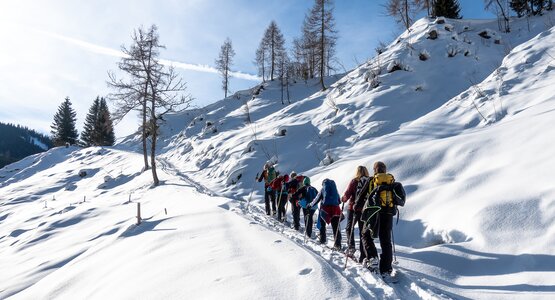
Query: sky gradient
pixel 58 48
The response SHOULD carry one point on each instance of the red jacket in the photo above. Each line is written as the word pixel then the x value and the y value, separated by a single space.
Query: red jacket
pixel 350 194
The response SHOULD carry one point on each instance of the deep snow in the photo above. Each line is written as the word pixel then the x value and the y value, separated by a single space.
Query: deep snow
pixel 470 136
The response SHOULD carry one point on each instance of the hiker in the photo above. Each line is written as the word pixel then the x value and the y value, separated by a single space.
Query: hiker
pixel 307 194
pixel 383 196
pixel 278 185
pixel 295 182
pixel 367 248
pixel 269 174
pixel 330 212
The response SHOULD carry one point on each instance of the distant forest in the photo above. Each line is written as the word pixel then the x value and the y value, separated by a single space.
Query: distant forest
pixel 17 142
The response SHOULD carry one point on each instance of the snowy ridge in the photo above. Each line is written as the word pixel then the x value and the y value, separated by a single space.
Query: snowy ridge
pixel 474 156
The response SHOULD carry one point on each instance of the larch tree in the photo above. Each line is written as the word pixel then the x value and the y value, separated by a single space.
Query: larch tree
pixel 319 29
pixel 274 43
pixel 402 11
pixel 63 128
pixel 501 9
pixel 224 62
pixel 260 60
pixel 151 88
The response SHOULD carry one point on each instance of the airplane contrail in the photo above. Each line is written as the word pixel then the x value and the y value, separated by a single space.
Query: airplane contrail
pixel 117 53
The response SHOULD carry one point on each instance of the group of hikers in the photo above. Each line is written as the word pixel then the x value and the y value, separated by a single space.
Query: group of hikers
pixel 372 203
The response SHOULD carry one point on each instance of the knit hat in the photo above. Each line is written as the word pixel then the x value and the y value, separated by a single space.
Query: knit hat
pixel 306 180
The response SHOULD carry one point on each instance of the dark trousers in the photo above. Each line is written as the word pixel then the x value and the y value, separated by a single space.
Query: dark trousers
pixel 366 244
pixel 270 197
pixel 282 200
pixel 384 232
pixel 308 220
pixel 334 226
pixel 296 213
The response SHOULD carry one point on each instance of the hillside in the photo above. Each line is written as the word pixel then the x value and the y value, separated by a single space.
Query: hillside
pixel 17 142
pixel 467 131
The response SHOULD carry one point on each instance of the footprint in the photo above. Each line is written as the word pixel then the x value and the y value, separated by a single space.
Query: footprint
pixel 305 271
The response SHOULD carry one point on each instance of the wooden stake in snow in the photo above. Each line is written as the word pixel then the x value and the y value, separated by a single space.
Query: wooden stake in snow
pixel 138 213
pixel 84 198
pixel 166 211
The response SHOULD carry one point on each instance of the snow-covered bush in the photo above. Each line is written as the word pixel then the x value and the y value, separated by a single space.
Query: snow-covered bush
pixel 432 34
pixel 452 50
pixel 328 160
pixel 328 131
pixel 396 65
pixel 424 55
pixel 209 128
pixel 250 147
pixel 449 27
pixel 281 131
pixel 82 173
pixel 487 34
pixel 440 20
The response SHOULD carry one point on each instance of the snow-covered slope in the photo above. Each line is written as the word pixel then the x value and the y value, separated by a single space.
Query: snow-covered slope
pixel 469 135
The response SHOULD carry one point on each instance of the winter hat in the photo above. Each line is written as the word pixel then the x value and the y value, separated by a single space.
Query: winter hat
pixel 286 177
pixel 293 175
pixel 306 180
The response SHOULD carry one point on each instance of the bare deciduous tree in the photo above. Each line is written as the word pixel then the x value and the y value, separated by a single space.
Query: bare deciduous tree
pixel 224 62
pixel 319 28
pixel 150 88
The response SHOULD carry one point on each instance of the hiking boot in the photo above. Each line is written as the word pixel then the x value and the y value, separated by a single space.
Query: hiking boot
pixel 337 247
pixel 350 252
pixel 387 277
pixel 371 263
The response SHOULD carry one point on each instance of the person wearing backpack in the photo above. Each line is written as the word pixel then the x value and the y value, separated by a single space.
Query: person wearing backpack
pixel 367 248
pixel 278 185
pixel 330 212
pixel 295 182
pixel 383 192
pixel 307 194
pixel 268 175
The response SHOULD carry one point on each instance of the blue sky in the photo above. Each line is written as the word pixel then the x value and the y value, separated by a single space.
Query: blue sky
pixel 58 48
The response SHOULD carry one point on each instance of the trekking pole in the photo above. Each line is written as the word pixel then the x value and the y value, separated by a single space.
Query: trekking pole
pixel 395 262
pixel 306 224
pixel 252 191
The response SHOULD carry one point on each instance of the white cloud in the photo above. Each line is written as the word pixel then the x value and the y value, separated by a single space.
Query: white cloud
pixel 117 53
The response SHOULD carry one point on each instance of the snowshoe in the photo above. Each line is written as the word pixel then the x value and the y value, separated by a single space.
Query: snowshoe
pixel 372 264
pixel 389 277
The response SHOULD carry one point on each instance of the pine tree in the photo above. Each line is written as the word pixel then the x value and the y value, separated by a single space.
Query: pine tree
pixel 89 133
pixel 105 127
pixel 447 8
pixel 63 128
pixel 98 130
pixel 224 62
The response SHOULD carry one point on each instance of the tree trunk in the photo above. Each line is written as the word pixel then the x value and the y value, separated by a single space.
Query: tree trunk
pixel 322 49
pixel 154 135
pixel 273 58
pixel 145 152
